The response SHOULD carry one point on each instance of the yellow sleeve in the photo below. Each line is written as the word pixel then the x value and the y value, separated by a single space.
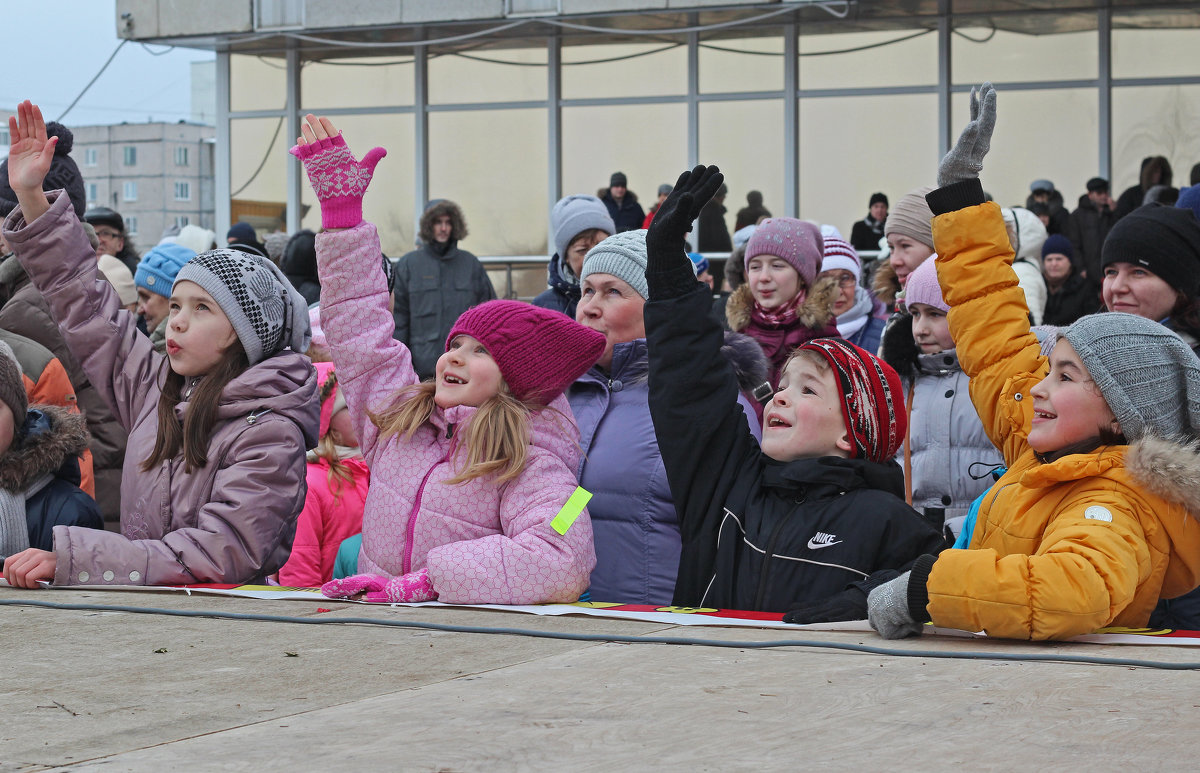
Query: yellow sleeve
pixel 989 322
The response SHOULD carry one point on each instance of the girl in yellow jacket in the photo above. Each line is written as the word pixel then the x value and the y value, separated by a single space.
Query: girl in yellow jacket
pixel 1096 518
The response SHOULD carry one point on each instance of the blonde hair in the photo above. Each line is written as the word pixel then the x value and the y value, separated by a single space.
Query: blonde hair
pixel 339 474
pixel 496 438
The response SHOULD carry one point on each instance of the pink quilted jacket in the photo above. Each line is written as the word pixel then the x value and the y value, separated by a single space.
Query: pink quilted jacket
pixel 481 542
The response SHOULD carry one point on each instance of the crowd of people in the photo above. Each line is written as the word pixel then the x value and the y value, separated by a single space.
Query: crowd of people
pixel 990 426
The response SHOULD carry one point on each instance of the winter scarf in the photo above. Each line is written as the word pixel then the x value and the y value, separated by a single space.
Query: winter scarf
pixel 857 316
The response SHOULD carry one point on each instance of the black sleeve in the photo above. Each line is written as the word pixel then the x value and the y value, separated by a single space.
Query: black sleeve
pixel 700 426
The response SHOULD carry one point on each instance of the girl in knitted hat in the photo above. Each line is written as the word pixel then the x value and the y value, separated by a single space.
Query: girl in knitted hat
pixel 214 468
pixel 472 473
pixel 946 454
pixel 337 491
pixel 1095 518
pixel 816 518
pixel 909 238
pixel 782 304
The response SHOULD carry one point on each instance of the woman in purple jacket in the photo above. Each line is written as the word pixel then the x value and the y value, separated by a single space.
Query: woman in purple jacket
pixel 214 471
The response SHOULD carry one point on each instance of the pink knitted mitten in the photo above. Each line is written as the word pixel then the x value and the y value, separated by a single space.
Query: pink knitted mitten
pixel 339 180
pixel 411 587
pixel 353 585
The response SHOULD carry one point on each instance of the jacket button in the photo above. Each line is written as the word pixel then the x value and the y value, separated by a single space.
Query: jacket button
pixel 949 393
pixel 84 577
pixel 1018 397
pixel 617 386
pixel 108 576
pixel 949 360
pixel 135 575
pixel 946 500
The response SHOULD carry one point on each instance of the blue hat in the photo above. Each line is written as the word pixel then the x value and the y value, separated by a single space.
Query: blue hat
pixel 1058 244
pixel 157 270
pixel 699 262
pixel 1189 198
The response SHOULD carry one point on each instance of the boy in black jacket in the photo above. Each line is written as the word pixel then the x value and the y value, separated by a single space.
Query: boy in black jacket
pixel 814 520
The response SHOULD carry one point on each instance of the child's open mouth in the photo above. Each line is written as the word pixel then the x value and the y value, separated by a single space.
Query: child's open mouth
pixel 775 421
pixel 449 379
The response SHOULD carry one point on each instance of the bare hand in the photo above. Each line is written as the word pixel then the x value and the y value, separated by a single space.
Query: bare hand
pixel 30 152
pixel 24 569
pixel 315 129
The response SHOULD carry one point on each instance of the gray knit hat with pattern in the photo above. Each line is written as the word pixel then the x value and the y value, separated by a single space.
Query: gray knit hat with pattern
pixel 1148 376
pixel 266 312
pixel 624 256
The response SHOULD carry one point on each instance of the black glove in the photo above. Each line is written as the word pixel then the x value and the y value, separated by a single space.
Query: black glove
pixel 850 604
pixel 669 273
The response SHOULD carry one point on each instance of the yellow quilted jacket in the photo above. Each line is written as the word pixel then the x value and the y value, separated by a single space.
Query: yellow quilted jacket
pixel 1066 547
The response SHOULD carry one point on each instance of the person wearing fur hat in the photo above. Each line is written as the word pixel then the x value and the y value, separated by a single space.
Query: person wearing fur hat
pixel 782 304
pixel 435 283
pixel 622 203
pixel 860 315
pixel 39 469
pixel 815 518
pixel 633 515
pixel 1068 295
pixel 473 489
pixel 1095 518
pixel 578 223
pixel 946 452
pixel 211 492
pixel 867 234
pixel 337 491
pixel 154 279
pixel 909 238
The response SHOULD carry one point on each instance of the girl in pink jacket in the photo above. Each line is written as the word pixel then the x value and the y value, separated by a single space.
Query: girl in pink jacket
pixel 471 473
pixel 337 491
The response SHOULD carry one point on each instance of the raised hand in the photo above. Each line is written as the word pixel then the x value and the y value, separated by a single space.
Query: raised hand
pixel 339 180
pixel 29 156
pixel 965 159
pixel 668 271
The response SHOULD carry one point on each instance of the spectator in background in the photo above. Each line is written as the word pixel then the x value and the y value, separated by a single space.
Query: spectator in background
pixel 1156 170
pixel 622 204
pixel 1027 235
pixel 276 243
pixel 241 236
pixel 1189 198
pixel 860 315
pixel 663 191
pixel 1044 192
pixel 1161 194
pixel 713 234
pixel 299 265
pixel 114 271
pixel 63 173
pixel 114 240
pixel 196 239
pixel 749 214
pixel 868 232
pixel 435 284
pixel 1068 295
pixel 155 277
pixel 578 222
pixel 1194 178
pixel 1087 228
pixel 700 265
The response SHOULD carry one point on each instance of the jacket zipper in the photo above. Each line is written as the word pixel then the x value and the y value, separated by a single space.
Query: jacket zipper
pixel 406 565
pixel 763 581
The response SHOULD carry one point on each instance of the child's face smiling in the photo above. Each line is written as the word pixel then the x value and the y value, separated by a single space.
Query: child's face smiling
pixel 465 375
pixel 1067 405
pixel 773 282
pixel 804 418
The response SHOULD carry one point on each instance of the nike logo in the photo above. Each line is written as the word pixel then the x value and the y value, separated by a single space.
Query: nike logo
pixel 823 540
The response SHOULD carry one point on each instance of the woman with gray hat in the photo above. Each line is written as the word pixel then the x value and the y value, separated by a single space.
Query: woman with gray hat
pixel 578 223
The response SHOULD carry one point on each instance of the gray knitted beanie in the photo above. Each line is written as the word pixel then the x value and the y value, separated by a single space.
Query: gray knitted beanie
pixel 1148 376
pixel 573 215
pixel 266 312
pixel 624 256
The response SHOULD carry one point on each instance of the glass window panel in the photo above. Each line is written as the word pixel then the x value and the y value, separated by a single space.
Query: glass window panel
pixel 879 143
pixel 493 165
pixel 366 82
pixel 747 166
pixel 1154 121
pixel 910 61
pixel 760 70
pixel 389 203
pixel 257 82
pixel 1020 57
pixel 646 142
pixel 643 70
pixel 254 141
pixel 1050 134
pixel 456 78
pixel 1154 53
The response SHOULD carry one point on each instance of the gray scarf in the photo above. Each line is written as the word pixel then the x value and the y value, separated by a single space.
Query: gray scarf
pixel 14 531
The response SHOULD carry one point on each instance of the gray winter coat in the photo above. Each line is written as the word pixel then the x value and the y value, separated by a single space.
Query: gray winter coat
pixel 949 445
pixel 231 521
pixel 432 290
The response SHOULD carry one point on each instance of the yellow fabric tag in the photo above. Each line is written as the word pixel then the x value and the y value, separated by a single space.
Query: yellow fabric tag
pixel 571 510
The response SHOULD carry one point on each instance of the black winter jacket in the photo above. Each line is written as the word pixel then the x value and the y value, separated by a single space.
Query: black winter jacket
pixel 1087 229
pixel 561 294
pixel 760 534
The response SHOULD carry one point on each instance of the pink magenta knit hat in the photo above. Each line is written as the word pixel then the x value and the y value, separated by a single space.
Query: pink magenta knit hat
pixel 923 287
pixel 540 352
pixel 798 242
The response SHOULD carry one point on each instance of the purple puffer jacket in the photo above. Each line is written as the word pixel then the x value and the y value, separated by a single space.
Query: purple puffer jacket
pixel 482 543
pixel 230 521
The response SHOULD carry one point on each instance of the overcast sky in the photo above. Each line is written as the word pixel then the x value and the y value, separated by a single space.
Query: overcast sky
pixel 52 49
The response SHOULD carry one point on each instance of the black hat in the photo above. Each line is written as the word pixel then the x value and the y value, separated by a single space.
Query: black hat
pixel 63 173
pixel 618 178
pixel 1163 240
pixel 104 216
pixel 878 198
pixel 1097 185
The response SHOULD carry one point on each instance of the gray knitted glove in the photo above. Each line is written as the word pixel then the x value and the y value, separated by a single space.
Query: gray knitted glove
pixel 965 159
pixel 887 610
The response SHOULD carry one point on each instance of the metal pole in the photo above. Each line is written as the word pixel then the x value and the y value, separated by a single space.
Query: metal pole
pixel 420 132
pixel 221 152
pixel 693 93
pixel 945 81
pixel 791 121
pixel 553 132
pixel 292 126
pixel 1104 30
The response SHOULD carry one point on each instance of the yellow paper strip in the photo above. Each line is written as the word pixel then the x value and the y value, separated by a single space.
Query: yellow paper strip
pixel 571 510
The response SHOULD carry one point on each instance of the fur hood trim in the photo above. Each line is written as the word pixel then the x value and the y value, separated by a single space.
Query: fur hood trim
pixel 42 452
pixel 885 285
pixel 750 365
pixel 458 223
pixel 815 312
pixel 898 349
pixel 1168 468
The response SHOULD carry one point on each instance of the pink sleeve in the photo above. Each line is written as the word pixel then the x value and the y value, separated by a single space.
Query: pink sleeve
pixel 303 567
